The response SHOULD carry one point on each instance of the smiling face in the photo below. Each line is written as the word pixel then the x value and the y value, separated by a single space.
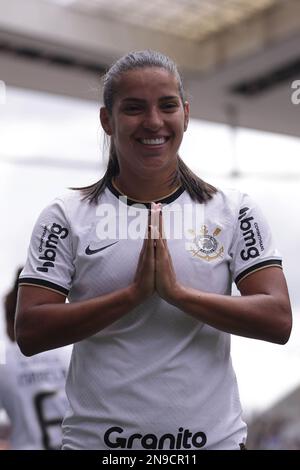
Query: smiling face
pixel 147 122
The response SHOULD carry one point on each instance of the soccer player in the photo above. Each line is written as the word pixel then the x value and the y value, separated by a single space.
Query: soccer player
pixel 32 390
pixel 146 257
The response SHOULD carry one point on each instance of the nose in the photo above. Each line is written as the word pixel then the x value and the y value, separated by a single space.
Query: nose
pixel 153 119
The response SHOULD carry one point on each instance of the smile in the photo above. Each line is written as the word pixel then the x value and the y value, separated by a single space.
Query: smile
pixel 156 141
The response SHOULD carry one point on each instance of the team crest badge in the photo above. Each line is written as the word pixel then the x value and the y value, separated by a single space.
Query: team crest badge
pixel 206 246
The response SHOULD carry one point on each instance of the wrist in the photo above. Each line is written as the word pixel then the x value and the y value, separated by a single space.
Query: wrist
pixel 135 296
pixel 178 295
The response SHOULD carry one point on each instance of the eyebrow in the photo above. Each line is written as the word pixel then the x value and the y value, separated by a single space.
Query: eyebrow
pixel 140 100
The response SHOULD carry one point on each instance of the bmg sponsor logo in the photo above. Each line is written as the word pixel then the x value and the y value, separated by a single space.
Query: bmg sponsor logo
pixel 2 92
pixel 48 245
pixel 295 97
pixel 246 226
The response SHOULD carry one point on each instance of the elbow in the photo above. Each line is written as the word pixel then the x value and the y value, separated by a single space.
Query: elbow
pixel 284 326
pixel 25 348
pixel 285 333
pixel 25 345
pixel 24 338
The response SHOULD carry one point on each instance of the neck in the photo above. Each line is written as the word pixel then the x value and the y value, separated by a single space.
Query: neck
pixel 146 189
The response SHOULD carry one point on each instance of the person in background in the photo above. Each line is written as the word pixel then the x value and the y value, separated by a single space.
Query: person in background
pixel 147 256
pixel 32 390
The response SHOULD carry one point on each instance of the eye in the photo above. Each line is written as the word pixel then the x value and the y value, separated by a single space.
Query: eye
pixel 132 109
pixel 170 106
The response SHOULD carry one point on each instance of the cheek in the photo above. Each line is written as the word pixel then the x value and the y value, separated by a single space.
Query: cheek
pixel 179 129
pixel 122 138
pixel 178 123
pixel 123 130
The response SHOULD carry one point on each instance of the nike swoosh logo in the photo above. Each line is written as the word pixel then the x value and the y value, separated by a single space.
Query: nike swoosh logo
pixel 88 251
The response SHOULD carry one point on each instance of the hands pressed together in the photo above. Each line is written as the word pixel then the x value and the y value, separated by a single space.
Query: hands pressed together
pixel 155 271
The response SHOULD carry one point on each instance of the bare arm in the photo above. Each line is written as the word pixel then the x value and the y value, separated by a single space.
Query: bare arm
pixel 262 311
pixel 44 321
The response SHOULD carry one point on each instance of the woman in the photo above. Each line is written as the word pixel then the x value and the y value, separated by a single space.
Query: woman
pixel 150 318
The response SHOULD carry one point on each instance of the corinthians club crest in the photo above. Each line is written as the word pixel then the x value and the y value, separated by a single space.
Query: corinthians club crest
pixel 206 246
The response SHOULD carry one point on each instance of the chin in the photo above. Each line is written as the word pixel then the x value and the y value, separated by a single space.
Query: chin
pixel 154 164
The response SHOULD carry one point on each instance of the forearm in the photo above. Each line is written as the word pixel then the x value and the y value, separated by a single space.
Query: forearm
pixel 49 326
pixel 258 316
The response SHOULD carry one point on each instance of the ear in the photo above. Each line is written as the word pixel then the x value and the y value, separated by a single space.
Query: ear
pixel 105 121
pixel 186 115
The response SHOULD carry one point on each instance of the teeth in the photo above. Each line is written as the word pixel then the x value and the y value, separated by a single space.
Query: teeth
pixel 157 141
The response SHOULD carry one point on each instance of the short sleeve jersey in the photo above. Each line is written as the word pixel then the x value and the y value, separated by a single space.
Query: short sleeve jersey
pixel 157 378
pixel 32 392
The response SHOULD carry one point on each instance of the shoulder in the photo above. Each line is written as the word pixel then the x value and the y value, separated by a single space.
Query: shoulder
pixel 227 203
pixel 70 206
pixel 232 197
pixel 232 200
pixel 69 200
pixel 76 214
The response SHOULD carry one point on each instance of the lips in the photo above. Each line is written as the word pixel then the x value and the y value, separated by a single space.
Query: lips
pixel 154 141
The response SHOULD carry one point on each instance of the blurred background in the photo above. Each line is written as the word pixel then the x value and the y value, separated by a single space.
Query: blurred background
pixel 241 63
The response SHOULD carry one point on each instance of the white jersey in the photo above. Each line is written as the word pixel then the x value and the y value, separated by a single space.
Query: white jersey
pixel 32 392
pixel 157 378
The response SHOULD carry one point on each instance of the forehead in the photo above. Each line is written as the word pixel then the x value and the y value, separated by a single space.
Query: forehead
pixel 147 82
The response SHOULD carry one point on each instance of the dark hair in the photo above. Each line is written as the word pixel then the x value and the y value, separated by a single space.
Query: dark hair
pixel 198 189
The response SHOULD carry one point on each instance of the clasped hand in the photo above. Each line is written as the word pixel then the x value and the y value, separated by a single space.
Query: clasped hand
pixel 155 271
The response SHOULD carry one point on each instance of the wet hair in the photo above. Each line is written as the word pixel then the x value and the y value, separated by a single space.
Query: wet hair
pixel 198 189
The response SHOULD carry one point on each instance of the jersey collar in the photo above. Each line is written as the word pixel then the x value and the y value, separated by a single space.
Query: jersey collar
pixel 166 200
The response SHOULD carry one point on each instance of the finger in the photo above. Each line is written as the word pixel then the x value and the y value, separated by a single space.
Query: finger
pixel 149 221
pixel 155 208
pixel 161 225
pixel 146 256
pixel 160 248
pixel 163 244
pixel 144 246
pixel 144 243
pixel 162 232
pixel 149 248
pixel 147 232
